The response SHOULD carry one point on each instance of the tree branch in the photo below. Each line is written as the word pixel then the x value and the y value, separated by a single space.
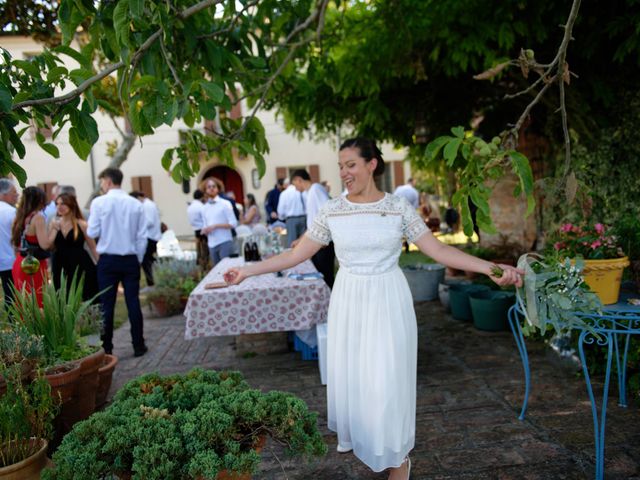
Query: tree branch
pixel 233 21
pixel 68 97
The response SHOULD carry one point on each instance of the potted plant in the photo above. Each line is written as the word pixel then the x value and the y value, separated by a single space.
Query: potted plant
pixel 200 425
pixel 71 365
pixel 604 260
pixel 26 409
pixel 175 279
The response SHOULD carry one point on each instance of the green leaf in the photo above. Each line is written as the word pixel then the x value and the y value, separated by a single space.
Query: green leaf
pixel 434 147
pixel 465 214
pixel 17 170
pixel 142 81
pixel 28 67
pixel 167 159
pixel 121 22
pixel 451 151
pixel 5 99
pixel 51 149
pixel 260 165
pixel 85 62
pixel 172 110
pixel 458 131
pixel 55 73
pixel 522 168
pixel 136 7
pixel 213 91
pixel 80 146
pixel 79 75
pixel 176 174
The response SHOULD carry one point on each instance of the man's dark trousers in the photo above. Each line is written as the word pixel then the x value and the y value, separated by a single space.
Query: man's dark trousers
pixel 7 282
pixel 324 262
pixel 113 269
pixel 148 260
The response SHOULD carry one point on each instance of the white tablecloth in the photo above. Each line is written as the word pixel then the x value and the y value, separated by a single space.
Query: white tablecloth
pixel 265 303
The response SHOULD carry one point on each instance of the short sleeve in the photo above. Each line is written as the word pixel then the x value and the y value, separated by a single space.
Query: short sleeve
pixel 319 230
pixel 413 227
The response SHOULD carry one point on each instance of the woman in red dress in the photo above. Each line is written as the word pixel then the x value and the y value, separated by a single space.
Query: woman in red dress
pixel 31 222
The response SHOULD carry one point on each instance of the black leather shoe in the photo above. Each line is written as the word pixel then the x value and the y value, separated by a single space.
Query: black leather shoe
pixel 138 352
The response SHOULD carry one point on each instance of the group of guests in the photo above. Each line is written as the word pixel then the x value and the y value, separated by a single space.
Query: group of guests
pixel 54 231
pixel 293 203
pixel 109 248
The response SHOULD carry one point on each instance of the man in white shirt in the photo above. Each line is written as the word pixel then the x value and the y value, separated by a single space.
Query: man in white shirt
pixel 409 192
pixel 217 220
pixel 8 199
pixel 154 234
pixel 119 222
pixel 291 209
pixel 194 214
pixel 316 196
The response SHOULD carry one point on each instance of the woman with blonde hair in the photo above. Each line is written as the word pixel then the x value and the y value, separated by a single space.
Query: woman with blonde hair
pixel 71 256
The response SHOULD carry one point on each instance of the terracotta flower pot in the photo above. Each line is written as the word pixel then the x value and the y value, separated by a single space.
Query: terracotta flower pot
pixel 84 403
pixel 29 468
pixel 105 375
pixel 64 381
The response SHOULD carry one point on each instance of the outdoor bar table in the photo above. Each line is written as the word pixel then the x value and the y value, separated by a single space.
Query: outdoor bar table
pixel 611 329
pixel 260 304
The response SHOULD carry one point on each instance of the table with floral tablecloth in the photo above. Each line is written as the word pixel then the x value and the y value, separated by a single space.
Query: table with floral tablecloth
pixel 264 303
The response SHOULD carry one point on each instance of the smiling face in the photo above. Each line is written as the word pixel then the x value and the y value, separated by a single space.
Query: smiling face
pixel 61 208
pixel 355 171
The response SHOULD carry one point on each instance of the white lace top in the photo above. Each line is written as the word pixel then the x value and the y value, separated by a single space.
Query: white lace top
pixel 367 236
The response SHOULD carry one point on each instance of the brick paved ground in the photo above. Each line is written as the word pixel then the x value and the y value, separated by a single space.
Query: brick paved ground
pixel 469 391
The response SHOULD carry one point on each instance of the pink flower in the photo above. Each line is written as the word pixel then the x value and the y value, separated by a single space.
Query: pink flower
pixel 558 245
pixel 596 244
pixel 566 227
pixel 599 227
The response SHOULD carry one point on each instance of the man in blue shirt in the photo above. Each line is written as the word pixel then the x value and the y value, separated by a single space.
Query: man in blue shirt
pixel 8 199
pixel 271 201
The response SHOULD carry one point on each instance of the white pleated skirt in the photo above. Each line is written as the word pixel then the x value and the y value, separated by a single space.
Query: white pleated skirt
pixel 371 366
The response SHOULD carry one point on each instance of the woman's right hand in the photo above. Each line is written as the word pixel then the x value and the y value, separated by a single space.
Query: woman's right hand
pixel 234 276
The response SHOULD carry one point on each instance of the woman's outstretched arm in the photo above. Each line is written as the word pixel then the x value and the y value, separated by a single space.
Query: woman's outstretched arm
pixel 305 249
pixel 452 257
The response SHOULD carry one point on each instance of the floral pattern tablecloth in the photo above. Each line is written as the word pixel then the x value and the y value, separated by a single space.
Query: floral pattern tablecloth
pixel 265 303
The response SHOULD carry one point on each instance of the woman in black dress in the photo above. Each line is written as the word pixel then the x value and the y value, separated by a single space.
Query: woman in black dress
pixel 71 257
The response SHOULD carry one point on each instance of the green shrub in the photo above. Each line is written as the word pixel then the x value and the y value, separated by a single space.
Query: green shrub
pixel 185 427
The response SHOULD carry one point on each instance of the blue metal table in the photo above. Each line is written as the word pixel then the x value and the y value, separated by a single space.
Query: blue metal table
pixel 611 329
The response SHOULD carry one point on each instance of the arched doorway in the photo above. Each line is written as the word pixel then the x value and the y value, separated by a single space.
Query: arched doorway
pixel 231 179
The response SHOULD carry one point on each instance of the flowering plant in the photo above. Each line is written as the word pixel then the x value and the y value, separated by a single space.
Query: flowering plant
pixel 590 242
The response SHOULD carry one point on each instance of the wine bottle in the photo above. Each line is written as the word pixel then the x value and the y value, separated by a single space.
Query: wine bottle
pixel 248 254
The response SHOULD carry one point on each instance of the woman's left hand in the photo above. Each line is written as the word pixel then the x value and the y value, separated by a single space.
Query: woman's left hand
pixel 510 276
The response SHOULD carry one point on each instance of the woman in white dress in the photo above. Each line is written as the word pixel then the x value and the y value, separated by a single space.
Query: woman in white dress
pixel 372 332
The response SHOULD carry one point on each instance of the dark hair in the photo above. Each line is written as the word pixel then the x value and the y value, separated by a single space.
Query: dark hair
pixel 251 198
pixel 113 174
pixel 32 200
pixel 368 150
pixel 280 182
pixel 198 194
pixel 303 174
pixel 137 194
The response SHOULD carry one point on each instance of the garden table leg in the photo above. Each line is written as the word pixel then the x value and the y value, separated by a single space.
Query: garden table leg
pixel 621 368
pixel 522 348
pixel 599 421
